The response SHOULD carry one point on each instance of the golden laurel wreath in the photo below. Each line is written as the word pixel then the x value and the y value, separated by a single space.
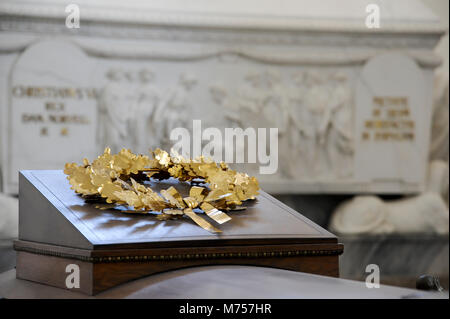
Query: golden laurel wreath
pixel 122 180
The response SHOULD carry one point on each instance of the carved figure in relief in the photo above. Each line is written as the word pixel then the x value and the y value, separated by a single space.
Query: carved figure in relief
pixel 144 113
pixel 321 118
pixel 115 104
pixel 272 104
pixel 239 111
pixel 310 117
pixel 259 103
pixel 173 110
pixel 340 134
pixel 135 114
pixel 314 117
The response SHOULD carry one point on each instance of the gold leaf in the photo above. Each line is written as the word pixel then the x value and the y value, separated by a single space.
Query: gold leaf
pixel 173 212
pixel 198 193
pixel 172 195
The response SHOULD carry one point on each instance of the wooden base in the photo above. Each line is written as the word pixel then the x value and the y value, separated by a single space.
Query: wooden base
pixel 100 270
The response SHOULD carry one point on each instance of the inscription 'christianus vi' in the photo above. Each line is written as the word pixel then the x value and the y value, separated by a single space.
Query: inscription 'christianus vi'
pixel 21 91
pixel 57 108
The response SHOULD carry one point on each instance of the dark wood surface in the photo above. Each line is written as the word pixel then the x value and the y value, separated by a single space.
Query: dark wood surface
pixel 235 282
pixel 50 212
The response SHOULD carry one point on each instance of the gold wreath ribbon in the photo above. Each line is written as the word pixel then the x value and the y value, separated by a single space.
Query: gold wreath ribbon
pixel 212 212
pixel 191 202
pixel 200 221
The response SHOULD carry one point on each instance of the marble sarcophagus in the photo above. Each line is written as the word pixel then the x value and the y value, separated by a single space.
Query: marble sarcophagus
pixel 348 84
pixel 62 236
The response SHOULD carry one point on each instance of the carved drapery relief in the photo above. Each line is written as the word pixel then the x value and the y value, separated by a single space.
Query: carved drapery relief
pixel 424 213
pixel 313 111
pixel 137 114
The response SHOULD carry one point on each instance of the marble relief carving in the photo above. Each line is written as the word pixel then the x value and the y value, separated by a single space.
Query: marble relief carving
pixel 313 111
pixel 136 113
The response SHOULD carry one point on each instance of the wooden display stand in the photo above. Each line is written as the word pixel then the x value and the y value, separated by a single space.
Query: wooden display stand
pixel 57 228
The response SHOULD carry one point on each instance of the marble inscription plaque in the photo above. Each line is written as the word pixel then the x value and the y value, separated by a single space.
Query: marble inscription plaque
pixel 391 120
pixel 53 109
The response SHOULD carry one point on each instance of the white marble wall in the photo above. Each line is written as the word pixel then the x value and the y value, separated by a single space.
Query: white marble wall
pixel 325 113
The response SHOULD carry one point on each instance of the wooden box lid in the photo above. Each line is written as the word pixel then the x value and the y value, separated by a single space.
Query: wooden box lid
pixel 51 213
